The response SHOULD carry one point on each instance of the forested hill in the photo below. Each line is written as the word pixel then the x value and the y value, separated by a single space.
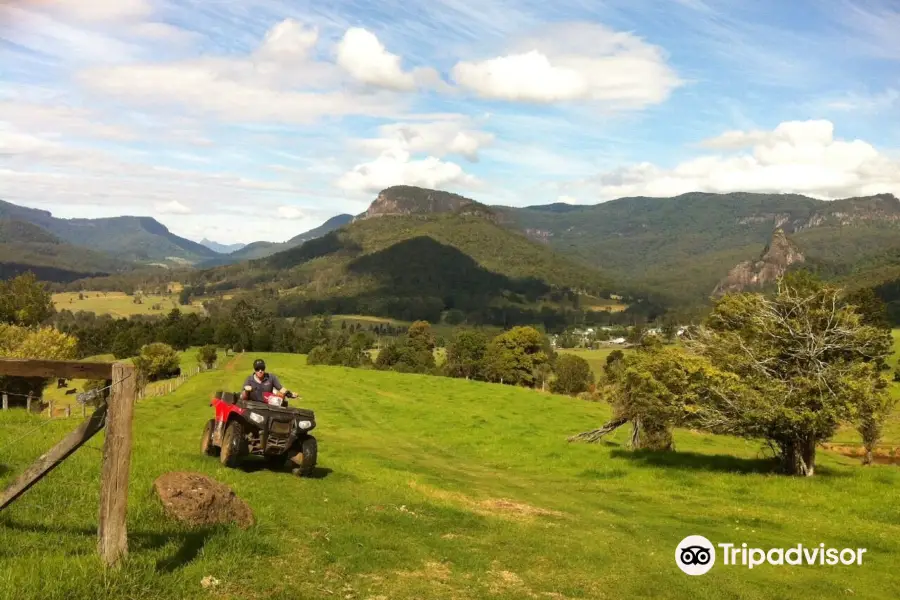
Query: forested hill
pixel 27 247
pixel 682 247
pixel 414 265
pixel 138 239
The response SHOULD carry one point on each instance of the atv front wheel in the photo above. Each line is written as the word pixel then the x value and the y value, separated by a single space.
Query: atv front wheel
pixel 304 460
pixel 233 444
pixel 207 446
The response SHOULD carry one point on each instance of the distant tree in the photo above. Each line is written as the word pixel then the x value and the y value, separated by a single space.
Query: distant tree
pixel 157 361
pixel 24 342
pixel 420 336
pixel 465 354
pixel 573 375
pixel 184 296
pixel 25 301
pixel 513 356
pixel 125 345
pixel 635 334
pixel 207 355
pixel 454 317
pixel 613 364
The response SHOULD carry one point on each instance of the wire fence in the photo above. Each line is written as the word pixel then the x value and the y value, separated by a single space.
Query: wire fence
pixel 86 401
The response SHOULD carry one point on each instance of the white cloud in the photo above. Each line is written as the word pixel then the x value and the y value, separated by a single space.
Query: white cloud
pixel 279 82
pixel 438 139
pixel 574 62
pixel 291 213
pixel 796 157
pixel 289 40
pixel 173 207
pixel 395 167
pixel 365 58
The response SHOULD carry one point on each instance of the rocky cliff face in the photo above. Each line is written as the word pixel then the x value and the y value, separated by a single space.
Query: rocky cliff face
pixel 411 200
pixel 774 261
pixel 881 208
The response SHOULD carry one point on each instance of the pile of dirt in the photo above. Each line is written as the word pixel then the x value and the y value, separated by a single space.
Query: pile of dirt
pixel 199 500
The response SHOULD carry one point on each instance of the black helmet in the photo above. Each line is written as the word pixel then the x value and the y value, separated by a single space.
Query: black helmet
pixel 259 365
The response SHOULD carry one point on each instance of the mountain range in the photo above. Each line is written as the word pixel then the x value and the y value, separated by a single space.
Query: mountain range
pixel 676 251
pixel 221 248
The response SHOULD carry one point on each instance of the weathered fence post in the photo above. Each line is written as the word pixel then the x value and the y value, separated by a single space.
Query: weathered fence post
pixel 84 409
pixel 5 402
pixel 50 409
pixel 112 533
pixel 28 403
pixel 68 411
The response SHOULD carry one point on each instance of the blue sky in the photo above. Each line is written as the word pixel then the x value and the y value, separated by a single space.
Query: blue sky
pixel 260 119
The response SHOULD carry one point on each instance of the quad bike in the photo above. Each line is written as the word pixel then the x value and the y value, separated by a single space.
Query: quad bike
pixel 244 426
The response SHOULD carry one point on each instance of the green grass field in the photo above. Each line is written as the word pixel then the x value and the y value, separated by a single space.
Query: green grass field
pixel 119 304
pixel 445 489
pixel 595 358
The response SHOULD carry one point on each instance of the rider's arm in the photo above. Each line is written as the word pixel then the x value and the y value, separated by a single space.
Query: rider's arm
pixel 276 385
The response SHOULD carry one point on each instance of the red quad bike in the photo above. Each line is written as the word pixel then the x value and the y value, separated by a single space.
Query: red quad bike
pixel 269 429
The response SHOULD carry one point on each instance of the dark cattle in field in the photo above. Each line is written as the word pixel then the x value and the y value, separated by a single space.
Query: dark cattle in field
pixel 72 391
pixel 167 375
pixel 60 383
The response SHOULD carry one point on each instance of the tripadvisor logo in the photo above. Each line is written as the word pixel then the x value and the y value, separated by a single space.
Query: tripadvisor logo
pixel 696 555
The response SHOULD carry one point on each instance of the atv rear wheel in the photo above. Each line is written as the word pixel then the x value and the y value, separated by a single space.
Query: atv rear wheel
pixel 304 459
pixel 234 446
pixel 207 446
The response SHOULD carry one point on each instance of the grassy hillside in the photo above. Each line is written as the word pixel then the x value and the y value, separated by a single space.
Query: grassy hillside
pixel 138 239
pixel 456 490
pixel 443 260
pixel 682 246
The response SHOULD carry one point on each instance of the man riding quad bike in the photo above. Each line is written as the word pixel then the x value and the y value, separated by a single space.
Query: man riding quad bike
pixel 259 422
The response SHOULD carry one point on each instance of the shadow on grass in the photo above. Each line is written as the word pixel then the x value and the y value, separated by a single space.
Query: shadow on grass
pixel 721 463
pixel 190 543
pixel 254 466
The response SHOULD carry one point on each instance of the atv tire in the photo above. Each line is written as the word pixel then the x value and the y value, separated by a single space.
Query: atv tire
pixel 304 459
pixel 207 446
pixel 234 446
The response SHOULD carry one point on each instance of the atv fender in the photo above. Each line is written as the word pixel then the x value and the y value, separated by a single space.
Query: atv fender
pixel 219 433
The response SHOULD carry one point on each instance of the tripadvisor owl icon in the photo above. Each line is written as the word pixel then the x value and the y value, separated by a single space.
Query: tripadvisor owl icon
pixel 695 555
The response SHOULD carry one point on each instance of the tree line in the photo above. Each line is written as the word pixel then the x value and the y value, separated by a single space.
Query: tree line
pixel 521 356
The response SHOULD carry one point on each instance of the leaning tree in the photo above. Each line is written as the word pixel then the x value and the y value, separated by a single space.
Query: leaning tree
pixel 788 368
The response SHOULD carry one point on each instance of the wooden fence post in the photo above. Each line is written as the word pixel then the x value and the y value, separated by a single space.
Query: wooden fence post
pixel 28 404
pixel 50 409
pixel 5 402
pixel 68 411
pixel 112 533
pixel 84 409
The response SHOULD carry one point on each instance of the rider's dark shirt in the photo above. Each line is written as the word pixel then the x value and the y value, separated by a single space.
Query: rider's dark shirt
pixel 268 384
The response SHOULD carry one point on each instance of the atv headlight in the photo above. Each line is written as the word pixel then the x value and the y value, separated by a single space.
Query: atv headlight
pixel 257 418
pixel 304 424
